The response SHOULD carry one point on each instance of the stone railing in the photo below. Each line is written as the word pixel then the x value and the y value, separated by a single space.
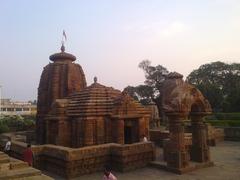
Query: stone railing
pixel 158 136
pixel 232 133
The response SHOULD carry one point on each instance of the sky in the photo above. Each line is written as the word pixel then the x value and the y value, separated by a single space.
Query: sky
pixel 111 37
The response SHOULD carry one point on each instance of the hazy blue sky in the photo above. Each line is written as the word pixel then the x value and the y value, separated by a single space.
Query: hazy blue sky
pixel 110 38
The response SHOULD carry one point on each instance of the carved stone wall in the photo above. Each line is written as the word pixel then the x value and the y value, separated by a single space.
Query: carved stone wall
pixel 73 162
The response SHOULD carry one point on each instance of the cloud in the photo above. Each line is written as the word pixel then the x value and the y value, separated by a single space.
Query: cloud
pixel 160 29
pixel 173 29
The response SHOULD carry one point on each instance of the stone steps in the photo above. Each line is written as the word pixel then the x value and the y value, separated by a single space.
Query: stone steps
pixel 11 168
pixel 20 173
pixel 158 164
pixel 4 160
pixel 39 177
pixel 18 165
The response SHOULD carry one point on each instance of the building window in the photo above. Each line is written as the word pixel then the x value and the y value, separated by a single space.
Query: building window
pixel 10 109
pixel 25 109
pixel 18 109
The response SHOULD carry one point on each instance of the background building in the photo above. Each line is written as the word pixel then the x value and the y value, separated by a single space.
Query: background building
pixel 9 107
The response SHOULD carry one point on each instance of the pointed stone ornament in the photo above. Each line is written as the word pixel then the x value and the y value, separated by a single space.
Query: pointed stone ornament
pixel 62 48
pixel 95 79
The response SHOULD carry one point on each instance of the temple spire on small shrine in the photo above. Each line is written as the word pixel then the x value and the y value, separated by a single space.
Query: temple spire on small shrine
pixel 95 79
pixel 62 47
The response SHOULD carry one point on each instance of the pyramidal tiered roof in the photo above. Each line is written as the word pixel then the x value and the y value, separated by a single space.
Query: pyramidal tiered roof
pixel 126 105
pixel 98 100
pixel 95 99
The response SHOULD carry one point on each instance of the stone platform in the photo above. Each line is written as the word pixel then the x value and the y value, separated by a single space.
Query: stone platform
pixel 160 163
pixel 11 168
pixel 226 167
pixel 215 135
pixel 192 166
pixel 74 162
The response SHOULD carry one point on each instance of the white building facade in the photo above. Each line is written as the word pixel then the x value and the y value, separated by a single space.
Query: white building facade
pixel 9 108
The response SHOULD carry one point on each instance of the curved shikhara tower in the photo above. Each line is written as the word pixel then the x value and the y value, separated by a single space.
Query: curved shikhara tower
pixel 58 80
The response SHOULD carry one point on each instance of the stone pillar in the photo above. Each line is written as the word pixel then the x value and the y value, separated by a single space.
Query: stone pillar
pixel 141 128
pixel 88 132
pixel 64 136
pixel 147 119
pixel 41 130
pixel 47 133
pixel 120 131
pixel 177 156
pixel 200 149
pixel 100 131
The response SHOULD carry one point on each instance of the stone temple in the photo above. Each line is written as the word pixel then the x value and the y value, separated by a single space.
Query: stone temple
pixel 73 115
pixel 81 128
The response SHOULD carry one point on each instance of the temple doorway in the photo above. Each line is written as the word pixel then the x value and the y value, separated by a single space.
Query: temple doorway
pixel 127 135
pixel 130 131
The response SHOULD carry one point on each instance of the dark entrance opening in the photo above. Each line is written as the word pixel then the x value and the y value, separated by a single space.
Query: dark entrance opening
pixel 131 131
pixel 127 134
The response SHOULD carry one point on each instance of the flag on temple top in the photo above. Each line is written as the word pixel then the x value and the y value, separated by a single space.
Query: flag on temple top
pixel 64 35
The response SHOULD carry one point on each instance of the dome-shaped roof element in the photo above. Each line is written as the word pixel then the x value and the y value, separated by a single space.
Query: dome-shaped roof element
pixel 94 100
pixel 179 96
pixel 62 56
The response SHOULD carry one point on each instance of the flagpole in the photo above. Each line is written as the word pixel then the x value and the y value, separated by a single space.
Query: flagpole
pixel 64 36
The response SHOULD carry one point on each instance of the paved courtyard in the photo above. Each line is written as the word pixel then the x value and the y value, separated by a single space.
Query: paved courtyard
pixel 226 156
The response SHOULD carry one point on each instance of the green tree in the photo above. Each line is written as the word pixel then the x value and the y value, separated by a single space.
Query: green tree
pixel 150 91
pixel 142 93
pixel 155 75
pixel 219 82
pixel 3 127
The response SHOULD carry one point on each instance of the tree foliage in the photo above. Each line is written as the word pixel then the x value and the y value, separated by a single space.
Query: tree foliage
pixel 142 93
pixel 150 91
pixel 16 123
pixel 220 84
pixel 155 75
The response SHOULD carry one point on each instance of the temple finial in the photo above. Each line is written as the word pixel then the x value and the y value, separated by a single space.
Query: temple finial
pixel 64 39
pixel 62 47
pixel 95 79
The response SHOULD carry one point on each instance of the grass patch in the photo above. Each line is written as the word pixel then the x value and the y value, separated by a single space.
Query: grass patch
pixel 224 116
pixel 224 123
